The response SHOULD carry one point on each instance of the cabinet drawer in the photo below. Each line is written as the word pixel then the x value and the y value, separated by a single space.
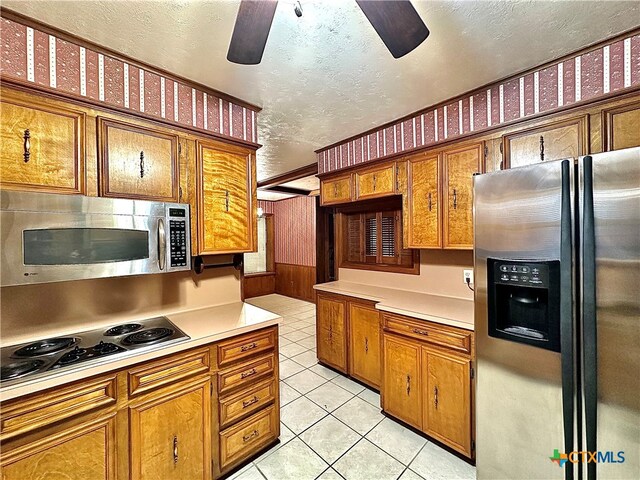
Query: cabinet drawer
pixel 446 337
pixel 247 402
pixel 336 190
pixel 21 416
pixel 167 371
pixel 248 437
pixel 235 349
pixel 246 373
pixel 375 183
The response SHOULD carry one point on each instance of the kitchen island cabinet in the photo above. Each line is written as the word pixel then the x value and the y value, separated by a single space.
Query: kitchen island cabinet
pixel 170 418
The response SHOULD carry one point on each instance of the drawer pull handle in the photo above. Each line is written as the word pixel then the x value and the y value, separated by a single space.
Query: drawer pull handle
pixel 366 345
pixel 226 200
pixel 429 199
pixel 455 199
pixel 142 164
pixel 335 190
pixel 541 148
pixel 246 348
pixel 435 397
pixel 408 385
pixel 253 371
pixel 27 145
pixel 248 403
pixel 253 434
pixel 420 332
pixel 374 182
pixel 175 449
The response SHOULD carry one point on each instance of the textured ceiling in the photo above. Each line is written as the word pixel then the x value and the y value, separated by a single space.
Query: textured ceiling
pixel 327 76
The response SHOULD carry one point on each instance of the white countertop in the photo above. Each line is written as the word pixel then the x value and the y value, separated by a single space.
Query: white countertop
pixel 456 312
pixel 204 325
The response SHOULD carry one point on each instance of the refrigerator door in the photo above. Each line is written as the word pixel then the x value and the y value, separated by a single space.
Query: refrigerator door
pixel 523 214
pixel 610 232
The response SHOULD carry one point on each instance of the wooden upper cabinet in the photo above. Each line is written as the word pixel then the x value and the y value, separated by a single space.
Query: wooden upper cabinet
pixel 331 332
pixel 375 182
pixel 621 127
pixel 42 144
pixel 401 391
pixel 137 162
pixel 447 399
pixel 336 190
pixel 364 343
pixel 459 166
pixel 552 141
pixel 170 434
pixel 74 453
pixel 226 210
pixel 424 224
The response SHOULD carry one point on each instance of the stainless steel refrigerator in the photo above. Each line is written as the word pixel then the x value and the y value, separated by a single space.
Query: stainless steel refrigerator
pixel 557 312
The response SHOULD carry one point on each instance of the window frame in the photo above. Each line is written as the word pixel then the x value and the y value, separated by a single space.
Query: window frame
pixel 342 245
pixel 270 249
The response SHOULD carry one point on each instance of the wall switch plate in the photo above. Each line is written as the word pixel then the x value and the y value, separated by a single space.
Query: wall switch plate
pixel 467 274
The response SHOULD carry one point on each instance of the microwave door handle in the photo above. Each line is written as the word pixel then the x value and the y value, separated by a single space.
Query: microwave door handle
pixel 162 244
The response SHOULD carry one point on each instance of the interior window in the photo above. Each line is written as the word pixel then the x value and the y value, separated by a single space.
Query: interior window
pixel 261 261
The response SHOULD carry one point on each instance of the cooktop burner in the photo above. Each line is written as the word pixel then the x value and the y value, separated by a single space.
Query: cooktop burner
pixel 38 359
pixel 19 368
pixel 45 347
pixel 122 329
pixel 147 336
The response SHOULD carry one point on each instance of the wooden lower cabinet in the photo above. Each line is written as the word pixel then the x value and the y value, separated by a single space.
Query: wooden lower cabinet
pixel 364 343
pixel 169 434
pixel 85 451
pixel 138 424
pixel 331 331
pixel 427 379
pixel 401 395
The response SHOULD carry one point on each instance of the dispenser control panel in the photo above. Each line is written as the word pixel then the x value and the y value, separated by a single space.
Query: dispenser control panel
pixel 521 273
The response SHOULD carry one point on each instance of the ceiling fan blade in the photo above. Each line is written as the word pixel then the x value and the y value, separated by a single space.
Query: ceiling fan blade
pixel 251 31
pixel 397 23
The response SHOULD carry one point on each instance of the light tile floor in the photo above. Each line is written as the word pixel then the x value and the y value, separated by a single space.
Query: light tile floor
pixel 332 427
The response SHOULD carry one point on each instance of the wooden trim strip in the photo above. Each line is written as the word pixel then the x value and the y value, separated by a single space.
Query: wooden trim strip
pixel 296 174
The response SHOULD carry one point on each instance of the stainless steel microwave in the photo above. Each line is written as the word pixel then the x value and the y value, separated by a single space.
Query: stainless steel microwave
pixel 54 238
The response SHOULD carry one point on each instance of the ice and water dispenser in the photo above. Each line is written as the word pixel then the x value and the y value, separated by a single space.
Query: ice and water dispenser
pixel 524 302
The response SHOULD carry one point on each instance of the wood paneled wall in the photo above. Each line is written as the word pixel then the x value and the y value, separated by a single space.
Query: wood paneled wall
pixel 258 285
pixel 296 281
pixel 609 68
pixel 46 58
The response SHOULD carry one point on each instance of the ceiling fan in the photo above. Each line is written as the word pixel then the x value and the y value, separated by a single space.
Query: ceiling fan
pixel 396 22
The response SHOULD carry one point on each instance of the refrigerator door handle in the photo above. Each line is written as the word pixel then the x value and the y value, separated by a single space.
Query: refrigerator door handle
pixel 589 339
pixel 566 315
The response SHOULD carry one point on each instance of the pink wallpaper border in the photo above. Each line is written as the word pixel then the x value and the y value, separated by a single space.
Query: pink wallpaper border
pixel 31 56
pixel 587 76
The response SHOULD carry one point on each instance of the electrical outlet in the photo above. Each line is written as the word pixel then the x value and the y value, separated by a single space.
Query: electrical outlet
pixel 467 274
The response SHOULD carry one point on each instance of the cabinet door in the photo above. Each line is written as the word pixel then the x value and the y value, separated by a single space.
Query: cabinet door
pixel 377 182
pixel 335 190
pixel 460 165
pixel 621 127
pixel 555 141
pixel 447 399
pixel 331 332
pixel 401 395
pixel 77 453
pixel 137 162
pixel 424 201
pixel 225 208
pixel 171 434
pixel 364 344
pixel 42 145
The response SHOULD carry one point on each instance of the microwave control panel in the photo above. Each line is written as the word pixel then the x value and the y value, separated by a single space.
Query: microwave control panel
pixel 178 238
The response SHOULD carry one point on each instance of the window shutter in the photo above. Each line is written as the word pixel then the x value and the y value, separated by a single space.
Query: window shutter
pixel 354 234
pixel 388 237
pixel 371 237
